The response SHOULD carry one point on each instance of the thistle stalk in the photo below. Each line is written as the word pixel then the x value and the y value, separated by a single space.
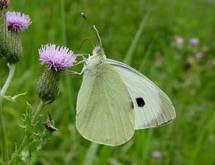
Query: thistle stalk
pixel 37 112
pixel 2 94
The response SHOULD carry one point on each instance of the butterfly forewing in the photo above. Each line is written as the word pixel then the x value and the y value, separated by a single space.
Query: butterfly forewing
pixel 104 107
pixel 152 106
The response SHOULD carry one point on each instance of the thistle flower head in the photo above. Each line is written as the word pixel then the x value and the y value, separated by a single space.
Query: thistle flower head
pixel 199 55
pixel 17 22
pixel 179 41
pixel 4 4
pixel 156 154
pixel 194 42
pixel 56 57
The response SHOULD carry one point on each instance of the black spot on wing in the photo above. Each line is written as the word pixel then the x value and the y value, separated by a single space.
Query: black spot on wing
pixel 140 101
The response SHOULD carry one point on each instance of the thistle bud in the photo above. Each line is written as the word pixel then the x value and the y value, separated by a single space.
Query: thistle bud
pixel 3 31
pixel 4 4
pixel 10 43
pixel 10 46
pixel 47 86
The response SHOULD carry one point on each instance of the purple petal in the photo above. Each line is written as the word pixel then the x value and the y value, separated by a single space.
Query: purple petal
pixel 56 57
pixel 17 21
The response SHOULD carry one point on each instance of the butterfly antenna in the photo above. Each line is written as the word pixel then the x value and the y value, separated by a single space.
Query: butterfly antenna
pixel 97 35
pixel 93 27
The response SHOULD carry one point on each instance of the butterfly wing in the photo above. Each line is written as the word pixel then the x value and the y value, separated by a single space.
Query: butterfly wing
pixel 104 112
pixel 152 106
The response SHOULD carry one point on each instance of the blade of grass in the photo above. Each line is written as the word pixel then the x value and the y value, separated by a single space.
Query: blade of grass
pixel 91 154
pixel 69 86
pixel 135 40
pixel 200 141
pixel 147 146
pixel 148 51
pixel 64 39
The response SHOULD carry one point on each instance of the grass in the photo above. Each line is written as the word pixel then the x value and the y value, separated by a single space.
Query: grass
pixel 148 28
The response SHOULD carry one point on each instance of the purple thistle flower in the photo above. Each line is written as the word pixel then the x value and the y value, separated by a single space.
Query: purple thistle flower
pixel 17 22
pixel 194 42
pixel 4 4
pixel 199 55
pixel 56 57
pixel 156 154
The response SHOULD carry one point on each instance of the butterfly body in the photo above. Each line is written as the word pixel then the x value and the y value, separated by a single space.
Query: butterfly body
pixel 115 99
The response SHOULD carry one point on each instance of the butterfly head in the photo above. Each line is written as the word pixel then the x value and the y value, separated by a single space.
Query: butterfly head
pixel 98 51
pixel 96 59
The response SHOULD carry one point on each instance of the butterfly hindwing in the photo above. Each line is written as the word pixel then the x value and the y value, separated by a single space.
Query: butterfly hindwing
pixel 152 106
pixel 104 110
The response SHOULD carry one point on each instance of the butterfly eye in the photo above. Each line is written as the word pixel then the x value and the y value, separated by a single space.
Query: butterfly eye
pixel 140 102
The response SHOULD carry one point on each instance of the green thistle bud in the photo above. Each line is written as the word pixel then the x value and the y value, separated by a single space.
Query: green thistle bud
pixel 47 86
pixel 11 24
pixel 10 43
pixel 10 46
pixel 3 31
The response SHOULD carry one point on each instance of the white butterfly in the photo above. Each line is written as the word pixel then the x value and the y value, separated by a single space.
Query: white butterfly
pixel 114 100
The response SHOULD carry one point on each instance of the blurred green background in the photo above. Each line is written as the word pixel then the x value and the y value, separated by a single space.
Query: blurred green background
pixel 153 37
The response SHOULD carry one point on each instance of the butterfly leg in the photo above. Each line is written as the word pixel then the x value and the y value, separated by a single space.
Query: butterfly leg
pixel 74 72
pixel 80 62
pixel 82 55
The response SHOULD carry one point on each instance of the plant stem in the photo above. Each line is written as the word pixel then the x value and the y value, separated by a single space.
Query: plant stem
pixel 3 135
pixel 18 151
pixel 12 68
pixel 38 111
pixel 2 127
pixel 26 137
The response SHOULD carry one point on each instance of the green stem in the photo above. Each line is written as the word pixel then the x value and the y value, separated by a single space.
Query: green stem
pixel 26 137
pixel 12 68
pixel 19 150
pixel 3 134
pixel 37 111
pixel 2 127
